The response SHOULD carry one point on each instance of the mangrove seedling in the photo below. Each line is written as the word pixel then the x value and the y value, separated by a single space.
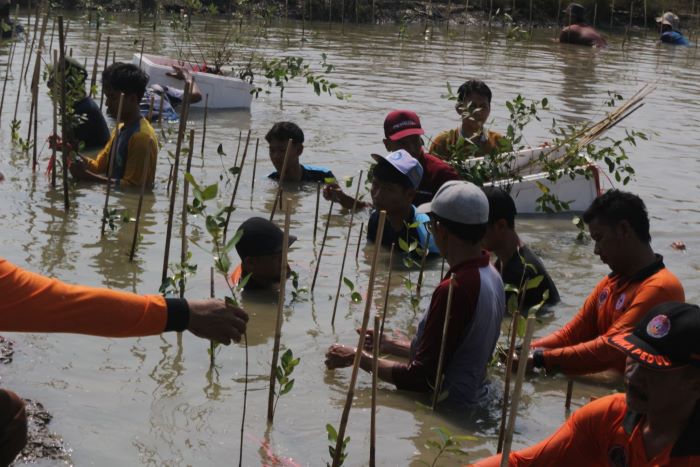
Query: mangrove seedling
pixel 297 291
pixel 283 373
pixel 355 296
pixel 333 439
pixel 582 236
pixel 174 284
pixel 15 125
pixel 446 444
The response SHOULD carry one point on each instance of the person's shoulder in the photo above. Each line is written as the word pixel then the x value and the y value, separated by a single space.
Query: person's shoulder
pixel 144 132
pixel 314 173
pixel 606 411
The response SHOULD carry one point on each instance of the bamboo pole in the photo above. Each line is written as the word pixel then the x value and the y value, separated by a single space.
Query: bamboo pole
pixel 93 77
pixel 318 201
pixel 373 416
pixel 36 124
pixel 19 88
pixel 173 192
pixel 160 114
pixel 143 44
pixel 386 294
pixel 238 149
pixel 569 394
pixel 612 12
pixel 212 345
pixel 110 168
pixel 235 188
pixel 102 94
pixel 426 250
pixel 204 123
pixel 441 357
pixel 323 244
pixel 359 241
pixel 517 390
pixel 25 70
pixel 144 182
pixel 54 113
pixel 7 76
pixel 183 222
pixel 378 241
pixel 64 129
pixel 360 344
pixel 280 309
pixel 255 166
pixel 280 180
pixel 506 389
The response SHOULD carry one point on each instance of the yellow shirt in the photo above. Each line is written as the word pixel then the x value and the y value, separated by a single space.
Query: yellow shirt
pixel 443 144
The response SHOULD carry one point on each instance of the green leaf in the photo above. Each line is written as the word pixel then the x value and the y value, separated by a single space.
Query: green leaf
pixel 522 324
pixel 349 283
pixel 241 285
pixel 512 304
pixel 231 244
pixel 210 192
pixel 223 263
pixel 510 288
pixel 332 434
pixel 220 150
pixel 287 387
pixel 286 358
pixel 356 297
pixel 534 282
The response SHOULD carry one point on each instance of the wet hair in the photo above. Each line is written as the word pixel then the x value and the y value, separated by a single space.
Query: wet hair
pixel 615 206
pixel 501 206
pixel 126 78
pixel 387 173
pixel 284 131
pixel 469 233
pixel 473 86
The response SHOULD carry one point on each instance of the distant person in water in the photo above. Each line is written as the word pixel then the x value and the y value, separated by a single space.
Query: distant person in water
pixel 87 127
pixel 670 27
pixel 578 31
pixel 171 96
pixel 8 27
pixel 277 139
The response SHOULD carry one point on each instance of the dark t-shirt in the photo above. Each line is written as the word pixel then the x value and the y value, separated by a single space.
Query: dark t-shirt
pixel 435 173
pixel 92 129
pixel 512 273
pixel 309 174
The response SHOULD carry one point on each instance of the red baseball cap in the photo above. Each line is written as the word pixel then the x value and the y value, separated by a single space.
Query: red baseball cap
pixel 401 123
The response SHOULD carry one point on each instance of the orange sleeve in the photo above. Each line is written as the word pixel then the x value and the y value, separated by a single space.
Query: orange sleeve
pixel 98 165
pixel 596 354
pixel 579 442
pixel 33 303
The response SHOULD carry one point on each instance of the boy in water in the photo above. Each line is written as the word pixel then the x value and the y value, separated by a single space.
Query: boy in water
pixel 277 139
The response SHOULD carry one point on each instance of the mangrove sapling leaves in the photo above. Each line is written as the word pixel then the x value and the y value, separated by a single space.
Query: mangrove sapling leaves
pixel 223 263
pixel 522 324
pixel 210 192
pixel 510 288
pixel 447 443
pixel 234 170
pixel 220 150
pixel 333 439
pixel 534 282
pixel 231 244
pixel 243 282
pixel 356 297
pixel 513 303
pixel 348 182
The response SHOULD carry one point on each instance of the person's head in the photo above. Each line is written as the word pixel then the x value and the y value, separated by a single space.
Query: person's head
pixel 76 75
pixel 395 179
pixel 662 373
pixel 501 217
pixel 473 104
pixel 402 130
pixel 260 250
pixel 619 225
pixel 459 215
pixel 278 137
pixel 124 78
pixel 669 22
pixel 575 13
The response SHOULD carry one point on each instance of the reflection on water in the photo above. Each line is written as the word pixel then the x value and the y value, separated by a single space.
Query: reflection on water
pixel 169 406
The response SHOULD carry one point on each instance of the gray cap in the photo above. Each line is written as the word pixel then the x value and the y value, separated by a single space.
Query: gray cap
pixel 459 201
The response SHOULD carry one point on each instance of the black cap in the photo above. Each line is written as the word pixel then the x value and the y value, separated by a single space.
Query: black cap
pixel 501 205
pixel 260 238
pixel 667 337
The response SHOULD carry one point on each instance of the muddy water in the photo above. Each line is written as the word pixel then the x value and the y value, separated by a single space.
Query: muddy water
pixel 153 401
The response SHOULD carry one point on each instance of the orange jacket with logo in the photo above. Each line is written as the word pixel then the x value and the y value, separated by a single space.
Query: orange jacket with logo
pixel 614 307
pixel 604 434
pixel 33 303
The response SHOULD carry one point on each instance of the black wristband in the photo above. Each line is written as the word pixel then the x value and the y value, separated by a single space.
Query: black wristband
pixel 178 314
pixel 538 358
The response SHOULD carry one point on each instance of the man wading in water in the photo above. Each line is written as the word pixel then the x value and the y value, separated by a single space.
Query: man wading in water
pixel 578 31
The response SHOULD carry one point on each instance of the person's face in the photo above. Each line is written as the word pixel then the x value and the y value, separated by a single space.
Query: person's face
pixel 279 148
pixel 474 110
pixel 266 270
pixel 493 239
pixel 112 102
pixel 659 391
pixel 391 197
pixel 610 242
pixel 412 144
pixel 439 234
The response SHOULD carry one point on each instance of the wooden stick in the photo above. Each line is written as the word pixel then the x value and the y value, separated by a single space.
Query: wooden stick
pixel 144 182
pixel 160 114
pixel 53 31
pixel 102 94
pixel 173 192
pixel 204 124
pixel 386 292
pixel 280 309
pixel 36 123
pixel 7 76
pixel 426 250
pixel 143 44
pixel 64 125
pixel 318 201
pixel 54 112
pixel 359 241
pixel 443 342
pixel 360 343
pixel 255 166
pixel 235 188
pixel 25 70
pixel 522 363
pixel 183 222
pixel 238 149
pixel 150 108
pixel 212 345
pixel 506 389
pixel 93 78
pixel 569 394
pixel 323 244
pixel 373 416
pixel 347 243
pixel 110 166
pixel 280 180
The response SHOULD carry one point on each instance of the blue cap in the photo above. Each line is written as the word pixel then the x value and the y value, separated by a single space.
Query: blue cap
pixel 405 163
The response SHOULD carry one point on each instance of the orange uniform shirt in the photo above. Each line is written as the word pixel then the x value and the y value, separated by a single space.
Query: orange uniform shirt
pixel 614 307
pixel 604 434
pixel 442 145
pixel 34 303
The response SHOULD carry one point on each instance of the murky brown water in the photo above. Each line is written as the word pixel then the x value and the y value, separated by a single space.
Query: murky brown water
pixel 152 401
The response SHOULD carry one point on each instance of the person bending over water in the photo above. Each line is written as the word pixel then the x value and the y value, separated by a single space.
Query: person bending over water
pixel 578 31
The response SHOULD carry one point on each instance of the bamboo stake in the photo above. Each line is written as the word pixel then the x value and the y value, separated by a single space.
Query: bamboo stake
pixel 386 294
pixel 255 166
pixel 36 123
pixel 24 71
pixel 204 124
pixel 173 192
pixel 442 268
pixel 426 250
pixel 359 241
pixel 323 244
pixel 235 188
pixel 212 345
pixel 280 180
pixel 54 100
pixel 318 201
pixel 378 241
pixel 238 149
pixel 160 114
pixel 280 308
pixel 183 222
pixel 595 12
pixel 569 394
pixel 19 88
pixel 143 44
pixel 373 417
pixel 441 357
pixel 150 108
pixel 93 78
pixel 612 12
pixel 112 157
pixel 360 344
pixel 7 76
pixel 64 133
pixel 144 182
pixel 102 94
pixel 506 390
pixel 517 390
